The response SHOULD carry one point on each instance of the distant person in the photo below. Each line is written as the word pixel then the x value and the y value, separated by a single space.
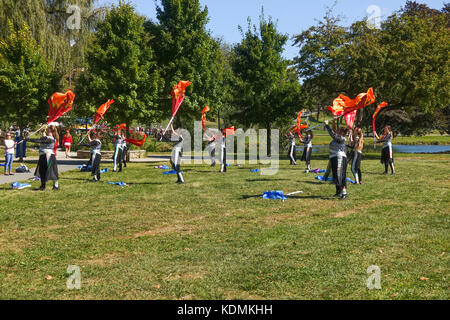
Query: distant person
pixel 211 148
pixel 177 154
pixel 67 142
pixel 95 144
pixel 338 157
pixel 118 138
pixel 9 154
pixel 47 168
pixel 21 148
pixel 292 152
pixel 307 152
pixel 357 143
pixel 387 154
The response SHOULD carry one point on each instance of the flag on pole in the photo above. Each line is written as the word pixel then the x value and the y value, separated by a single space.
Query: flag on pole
pixel 178 95
pixel 374 117
pixel 59 105
pixel 350 119
pixel 343 105
pixel 102 110
pixel 206 109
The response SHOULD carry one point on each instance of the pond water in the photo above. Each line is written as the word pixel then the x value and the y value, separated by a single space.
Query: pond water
pixel 397 148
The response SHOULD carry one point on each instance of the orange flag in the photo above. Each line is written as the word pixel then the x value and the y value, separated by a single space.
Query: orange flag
pixel 59 105
pixel 343 105
pixel 374 117
pixel 178 95
pixel 300 126
pixel 206 109
pixel 102 110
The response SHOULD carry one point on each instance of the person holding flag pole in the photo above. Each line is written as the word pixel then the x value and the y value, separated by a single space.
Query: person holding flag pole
pixel 47 167
pixel 178 95
pixel 177 154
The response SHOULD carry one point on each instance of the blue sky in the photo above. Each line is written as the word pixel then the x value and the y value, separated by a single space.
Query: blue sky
pixel 293 16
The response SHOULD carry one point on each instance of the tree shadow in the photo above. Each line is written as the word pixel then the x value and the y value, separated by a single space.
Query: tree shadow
pixel 265 180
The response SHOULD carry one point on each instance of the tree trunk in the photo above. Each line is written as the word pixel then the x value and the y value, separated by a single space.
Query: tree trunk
pixel 269 139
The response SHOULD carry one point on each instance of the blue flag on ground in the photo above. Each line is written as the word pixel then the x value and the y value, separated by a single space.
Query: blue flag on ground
pixel 274 195
pixel 20 186
pixel 322 178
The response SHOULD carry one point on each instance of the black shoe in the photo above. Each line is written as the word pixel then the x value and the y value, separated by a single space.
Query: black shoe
pixel 42 188
pixel 337 195
pixel 55 188
pixel 384 173
pixel 393 174
pixel 343 197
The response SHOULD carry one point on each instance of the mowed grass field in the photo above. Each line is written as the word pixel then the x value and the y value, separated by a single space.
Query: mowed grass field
pixel 215 238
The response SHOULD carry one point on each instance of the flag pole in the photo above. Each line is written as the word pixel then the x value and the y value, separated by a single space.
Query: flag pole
pixel 32 134
pixel 167 128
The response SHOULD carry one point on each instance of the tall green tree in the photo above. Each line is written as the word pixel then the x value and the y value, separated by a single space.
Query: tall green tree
pixel 25 79
pixel 62 28
pixel 406 61
pixel 265 90
pixel 121 66
pixel 185 50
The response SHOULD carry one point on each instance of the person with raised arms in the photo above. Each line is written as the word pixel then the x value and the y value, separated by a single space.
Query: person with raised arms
pixel 338 158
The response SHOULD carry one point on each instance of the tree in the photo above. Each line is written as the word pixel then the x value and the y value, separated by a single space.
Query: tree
pixel 49 22
pixel 185 50
pixel 406 61
pixel 121 66
pixel 265 90
pixel 25 79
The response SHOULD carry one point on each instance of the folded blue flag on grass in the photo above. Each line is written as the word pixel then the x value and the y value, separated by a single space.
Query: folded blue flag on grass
pixel 20 186
pixel 254 170
pixel 171 172
pixel 319 171
pixel 104 170
pixel 274 195
pixel 2 164
pixel 322 178
pixel 120 184
pixel 351 181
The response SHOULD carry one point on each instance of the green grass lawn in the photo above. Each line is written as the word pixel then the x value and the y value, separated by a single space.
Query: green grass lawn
pixel 215 238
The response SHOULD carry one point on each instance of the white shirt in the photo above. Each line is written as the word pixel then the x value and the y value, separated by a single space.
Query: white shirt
pixel 9 147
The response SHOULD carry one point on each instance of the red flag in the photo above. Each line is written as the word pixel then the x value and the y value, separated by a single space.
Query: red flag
pixel 136 142
pixel 178 95
pixel 122 126
pixel 206 109
pixel 59 105
pixel 350 119
pixel 229 131
pixel 343 105
pixel 300 126
pixel 374 117
pixel 102 110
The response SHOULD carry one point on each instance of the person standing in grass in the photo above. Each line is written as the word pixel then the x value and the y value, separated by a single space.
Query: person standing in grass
pixel 118 149
pixel 387 155
pixel 307 152
pixel 125 149
pixel 67 142
pixel 177 154
pixel 211 148
pixel 9 154
pixel 338 157
pixel 357 143
pixel 95 144
pixel 292 153
pixel 47 167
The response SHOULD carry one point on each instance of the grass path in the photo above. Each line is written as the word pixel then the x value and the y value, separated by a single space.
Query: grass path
pixel 214 238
